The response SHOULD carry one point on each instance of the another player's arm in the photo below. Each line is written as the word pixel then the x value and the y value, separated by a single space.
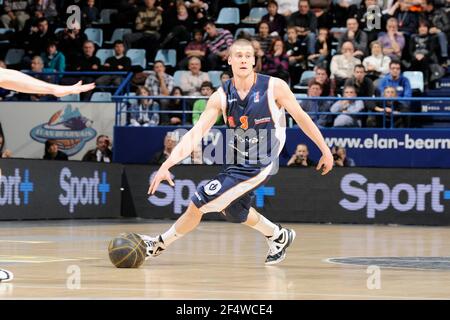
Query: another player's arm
pixel 18 81
pixel 284 97
pixel 189 141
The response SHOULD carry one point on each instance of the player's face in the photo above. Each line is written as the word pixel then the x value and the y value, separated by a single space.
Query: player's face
pixel 242 60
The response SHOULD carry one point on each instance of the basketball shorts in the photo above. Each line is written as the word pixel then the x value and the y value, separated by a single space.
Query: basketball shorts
pixel 231 192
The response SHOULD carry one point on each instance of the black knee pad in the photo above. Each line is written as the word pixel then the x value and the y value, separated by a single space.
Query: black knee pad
pixel 237 212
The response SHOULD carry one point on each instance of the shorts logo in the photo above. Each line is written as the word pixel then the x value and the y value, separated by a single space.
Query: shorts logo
pixel 212 187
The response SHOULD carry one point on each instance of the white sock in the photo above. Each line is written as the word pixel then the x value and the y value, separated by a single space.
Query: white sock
pixel 266 227
pixel 171 235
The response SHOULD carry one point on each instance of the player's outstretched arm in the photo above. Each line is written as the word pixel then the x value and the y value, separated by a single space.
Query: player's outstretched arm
pixel 21 82
pixel 189 141
pixel 285 98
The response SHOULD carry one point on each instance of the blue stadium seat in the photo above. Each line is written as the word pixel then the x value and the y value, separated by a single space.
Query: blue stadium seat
pixel 415 78
pixel 255 15
pixel 250 31
pixel 214 76
pixel 95 35
pixel 105 16
pixel 58 30
pixel 239 2
pixel 70 98
pixel 168 56
pixel 14 56
pixel 177 77
pixel 104 54
pixel 303 83
pixel 118 34
pixel 3 31
pixel 101 97
pixel 137 57
pixel 229 16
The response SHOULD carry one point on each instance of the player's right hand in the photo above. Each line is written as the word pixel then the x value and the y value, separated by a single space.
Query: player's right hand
pixel 161 175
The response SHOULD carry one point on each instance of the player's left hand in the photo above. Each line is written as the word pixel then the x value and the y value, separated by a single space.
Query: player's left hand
pixel 61 91
pixel 161 175
pixel 325 163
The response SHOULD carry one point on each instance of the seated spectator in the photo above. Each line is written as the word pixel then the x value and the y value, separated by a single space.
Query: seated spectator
pixel 347 109
pixel 142 114
pixel 296 52
pixel 341 11
pixel 408 20
pixel 4 153
pixel 199 10
pixel 377 64
pixel 36 42
pixel 181 27
pixel 224 77
pixel 263 36
pixel 15 14
pixel 259 55
pixel 397 80
pixel 392 41
pixel 276 62
pixel 356 36
pixel 276 21
pixel 52 152
pixel 322 53
pixel 300 158
pixel 321 120
pixel 340 157
pixel 70 42
pixel 196 48
pixel 117 62
pixel 328 85
pixel 439 26
pixel 37 66
pixel 306 23
pixel 54 59
pixel 102 153
pixel 169 143
pixel 386 109
pixel 175 105
pixel 363 85
pixel 48 8
pixel 218 41
pixel 342 65
pixel 206 91
pixel 90 13
pixel 191 81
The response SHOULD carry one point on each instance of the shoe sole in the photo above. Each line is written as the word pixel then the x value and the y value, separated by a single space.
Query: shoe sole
pixel 290 240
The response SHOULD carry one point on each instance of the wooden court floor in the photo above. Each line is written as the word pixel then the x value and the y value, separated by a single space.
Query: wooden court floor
pixel 69 260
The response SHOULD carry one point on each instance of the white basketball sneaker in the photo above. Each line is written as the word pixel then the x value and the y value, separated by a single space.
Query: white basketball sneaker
pixel 5 275
pixel 155 245
pixel 278 244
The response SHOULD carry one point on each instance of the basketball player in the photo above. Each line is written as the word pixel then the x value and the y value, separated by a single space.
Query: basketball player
pixel 18 81
pixel 247 101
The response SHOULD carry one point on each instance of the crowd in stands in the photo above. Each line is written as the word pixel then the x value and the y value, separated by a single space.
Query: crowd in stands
pixel 332 38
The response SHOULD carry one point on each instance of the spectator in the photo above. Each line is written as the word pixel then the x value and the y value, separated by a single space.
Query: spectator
pixel 37 67
pixel 15 15
pixel 363 85
pixel 440 27
pixel 386 109
pixel 117 62
pixel 348 109
pixel 199 10
pixel 377 64
pixel 52 152
pixel 206 90
pixel 169 143
pixel 175 105
pixel 148 23
pixel 357 37
pixel 306 23
pixel 90 13
pixel 224 77
pixel 218 41
pixel 392 41
pixel 54 59
pixel 328 85
pixel 342 65
pixel 4 153
pixel 408 20
pixel 368 17
pixel 102 153
pixel 300 158
pixel 287 7
pixel 340 157
pixel 296 52
pixel 276 21
pixel 71 44
pixel 191 81
pixel 263 37
pixel 276 62
pixel 143 113
pixel 397 80
pixel 48 8
pixel 180 28
pixel 322 53
pixel 321 120
pixel 259 55
pixel 196 48
pixel 36 42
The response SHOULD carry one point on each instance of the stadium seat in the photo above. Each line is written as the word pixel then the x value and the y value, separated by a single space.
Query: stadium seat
pixel 70 98
pixel 177 77
pixel 95 35
pixel 239 2
pixel 229 16
pixel 255 15
pixel 58 30
pixel 168 56
pixel 3 31
pixel 214 76
pixel 137 57
pixel 101 97
pixel 250 31
pixel 105 16
pixel 14 56
pixel 415 78
pixel 118 35
pixel 303 83
pixel 104 54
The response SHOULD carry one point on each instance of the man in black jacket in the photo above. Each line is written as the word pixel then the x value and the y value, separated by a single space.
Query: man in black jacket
pixel 118 62
pixel 306 23
pixel 102 153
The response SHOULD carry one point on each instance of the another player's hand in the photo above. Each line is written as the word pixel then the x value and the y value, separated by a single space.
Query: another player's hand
pixel 161 175
pixel 62 91
pixel 325 163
